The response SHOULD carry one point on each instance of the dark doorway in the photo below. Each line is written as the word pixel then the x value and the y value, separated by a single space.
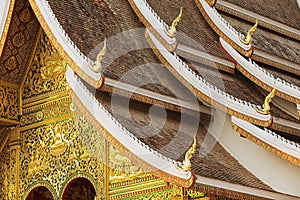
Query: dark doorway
pixel 79 189
pixel 40 193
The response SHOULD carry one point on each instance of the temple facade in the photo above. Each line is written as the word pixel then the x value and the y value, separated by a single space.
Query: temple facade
pixel 151 100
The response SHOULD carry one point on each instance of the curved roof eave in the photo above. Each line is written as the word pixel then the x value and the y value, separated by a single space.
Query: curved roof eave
pixel 269 140
pixel 137 151
pixel 65 46
pixel 261 77
pixel 151 20
pixel 6 10
pixel 223 28
pixel 205 91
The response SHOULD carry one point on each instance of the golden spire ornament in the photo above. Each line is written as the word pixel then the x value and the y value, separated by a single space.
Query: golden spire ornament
pixel 248 38
pixel 98 67
pixel 266 106
pixel 171 31
pixel 188 155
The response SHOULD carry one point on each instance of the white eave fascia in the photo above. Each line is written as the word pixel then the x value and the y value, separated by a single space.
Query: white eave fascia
pixel 223 25
pixel 156 22
pixel 261 74
pixel 124 137
pixel 154 95
pixel 269 23
pixel 269 137
pixel 64 40
pixel 4 8
pixel 206 88
pixel 242 189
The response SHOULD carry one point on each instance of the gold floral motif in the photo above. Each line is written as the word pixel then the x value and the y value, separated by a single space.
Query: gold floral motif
pixel 25 16
pixel 18 39
pixel 11 63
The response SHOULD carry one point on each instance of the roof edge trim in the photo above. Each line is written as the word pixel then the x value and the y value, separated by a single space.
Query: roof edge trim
pixel 261 77
pixel 137 151
pixel 151 19
pixel 62 42
pixel 244 190
pixel 223 28
pixel 268 140
pixel 264 21
pixel 204 90
pixel 6 16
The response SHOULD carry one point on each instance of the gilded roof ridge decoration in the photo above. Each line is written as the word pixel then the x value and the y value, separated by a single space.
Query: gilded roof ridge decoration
pixel 152 21
pixel 223 28
pixel 203 90
pixel 266 22
pixel 269 140
pixel 159 164
pixel 5 21
pixel 261 77
pixel 62 42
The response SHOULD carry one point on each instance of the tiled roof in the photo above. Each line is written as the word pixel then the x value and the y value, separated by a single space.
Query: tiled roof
pixel 175 137
pixel 282 11
pixel 268 41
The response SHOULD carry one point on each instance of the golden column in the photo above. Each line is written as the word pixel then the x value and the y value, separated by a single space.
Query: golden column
pixel 14 169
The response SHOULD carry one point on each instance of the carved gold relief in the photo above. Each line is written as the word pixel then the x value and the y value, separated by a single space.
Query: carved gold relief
pixel 9 102
pixel 47 70
pixel 56 152
pixel 121 168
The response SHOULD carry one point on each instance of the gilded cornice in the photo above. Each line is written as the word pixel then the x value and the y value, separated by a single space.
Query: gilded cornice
pixel 58 46
pixel 6 26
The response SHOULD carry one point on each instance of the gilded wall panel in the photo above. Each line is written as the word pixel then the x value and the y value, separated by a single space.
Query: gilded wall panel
pixel 8 103
pixel 5 179
pixel 58 152
pixel 46 71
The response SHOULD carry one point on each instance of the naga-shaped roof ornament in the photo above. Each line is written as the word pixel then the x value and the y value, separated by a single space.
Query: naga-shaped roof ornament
pixel 188 155
pixel 171 31
pixel 97 67
pixel 248 38
pixel 266 106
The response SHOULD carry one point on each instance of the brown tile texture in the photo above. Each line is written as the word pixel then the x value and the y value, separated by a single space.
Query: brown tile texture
pixel 286 12
pixel 173 137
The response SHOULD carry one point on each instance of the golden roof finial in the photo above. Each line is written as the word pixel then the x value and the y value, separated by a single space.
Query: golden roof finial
pixel 188 155
pixel 248 38
pixel 266 106
pixel 98 67
pixel 171 31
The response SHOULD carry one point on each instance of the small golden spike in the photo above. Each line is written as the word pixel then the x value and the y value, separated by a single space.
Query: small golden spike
pixel 266 106
pixel 248 38
pixel 171 31
pixel 188 155
pixel 100 55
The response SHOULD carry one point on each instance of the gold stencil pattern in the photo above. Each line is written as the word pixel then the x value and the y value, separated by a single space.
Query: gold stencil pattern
pixel 47 70
pixel 9 102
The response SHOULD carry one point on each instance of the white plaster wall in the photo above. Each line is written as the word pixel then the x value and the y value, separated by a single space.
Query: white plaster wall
pixel 276 172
